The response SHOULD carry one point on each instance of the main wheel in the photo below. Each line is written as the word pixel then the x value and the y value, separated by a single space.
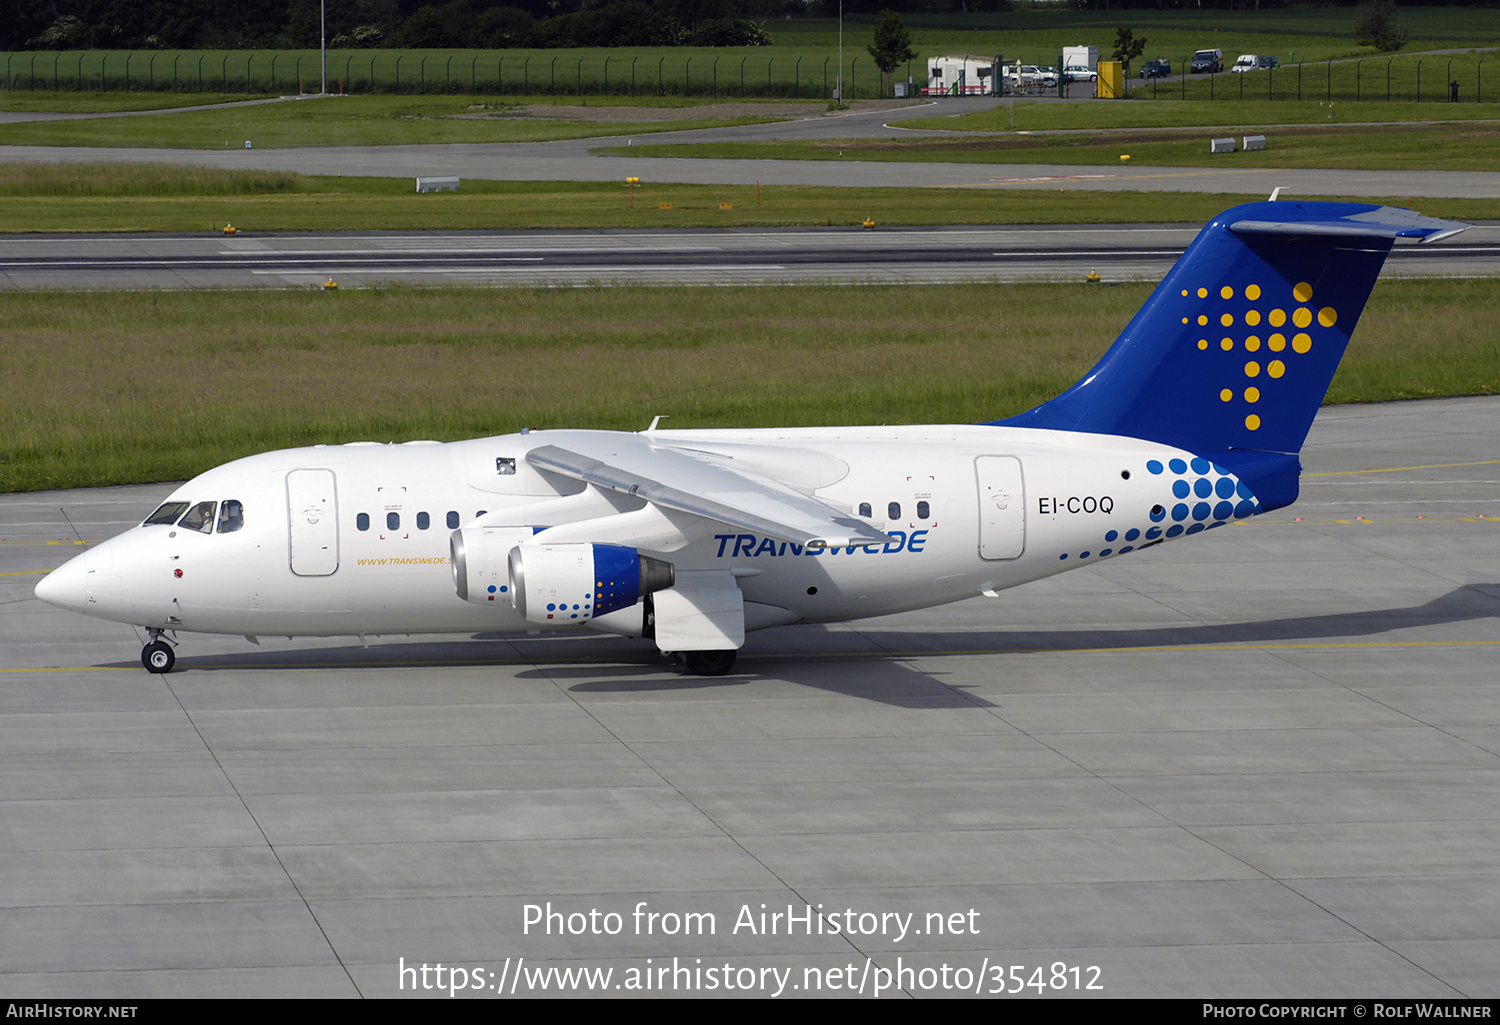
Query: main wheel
pixel 158 657
pixel 709 663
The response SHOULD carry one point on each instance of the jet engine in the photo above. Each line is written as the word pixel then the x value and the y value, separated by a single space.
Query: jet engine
pixel 552 584
pixel 572 583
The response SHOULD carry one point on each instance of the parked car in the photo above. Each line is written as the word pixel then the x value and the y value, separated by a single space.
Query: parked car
pixel 1207 62
pixel 1156 69
pixel 1030 74
pixel 1076 73
pixel 1266 62
pixel 1245 62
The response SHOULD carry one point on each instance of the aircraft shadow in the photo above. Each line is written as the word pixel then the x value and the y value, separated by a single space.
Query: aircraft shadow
pixel 840 662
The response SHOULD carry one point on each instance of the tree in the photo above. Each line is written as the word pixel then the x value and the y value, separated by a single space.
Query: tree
pixel 891 47
pixel 1127 48
pixel 1375 25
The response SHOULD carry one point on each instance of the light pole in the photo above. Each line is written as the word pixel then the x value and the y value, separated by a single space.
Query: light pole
pixel 838 79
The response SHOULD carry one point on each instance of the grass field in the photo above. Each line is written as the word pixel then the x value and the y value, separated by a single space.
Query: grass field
pixel 89 197
pixel 339 121
pixel 1453 147
pixel 160 386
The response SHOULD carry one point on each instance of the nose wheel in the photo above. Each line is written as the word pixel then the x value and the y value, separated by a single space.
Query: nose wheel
pixel 158 657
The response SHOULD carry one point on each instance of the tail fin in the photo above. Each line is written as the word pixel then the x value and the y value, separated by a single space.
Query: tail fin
pixel 1234 351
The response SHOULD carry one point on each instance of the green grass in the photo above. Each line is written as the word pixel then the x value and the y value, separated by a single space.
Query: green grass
pixel 1462 147
pixel 72 102
pixel 336 121
pixel 92 197
pixel 159 386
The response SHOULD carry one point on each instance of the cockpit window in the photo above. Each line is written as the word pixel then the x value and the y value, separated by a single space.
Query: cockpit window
pixel 199 517
pixel 231 516
pixel 165 515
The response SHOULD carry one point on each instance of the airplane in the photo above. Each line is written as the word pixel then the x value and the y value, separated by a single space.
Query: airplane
pixel 1191 420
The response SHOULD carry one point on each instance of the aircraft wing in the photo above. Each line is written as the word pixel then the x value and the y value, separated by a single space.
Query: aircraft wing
pixel 698 483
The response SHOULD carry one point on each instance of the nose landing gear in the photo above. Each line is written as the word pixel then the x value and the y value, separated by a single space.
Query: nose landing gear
pixel 158 656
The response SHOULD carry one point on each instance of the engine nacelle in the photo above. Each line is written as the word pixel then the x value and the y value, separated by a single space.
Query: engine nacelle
pixel 566 584
pixel 481 572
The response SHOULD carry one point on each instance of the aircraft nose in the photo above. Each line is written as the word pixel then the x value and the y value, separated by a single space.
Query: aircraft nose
pixel 66 586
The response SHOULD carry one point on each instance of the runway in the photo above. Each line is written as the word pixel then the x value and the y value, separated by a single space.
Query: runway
pixel 704 257
pixel 1260 763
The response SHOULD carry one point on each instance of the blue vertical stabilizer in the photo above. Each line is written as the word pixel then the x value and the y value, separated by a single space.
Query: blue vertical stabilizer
pixel 1234 351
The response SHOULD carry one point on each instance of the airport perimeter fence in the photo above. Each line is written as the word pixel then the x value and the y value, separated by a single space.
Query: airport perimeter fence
pixel 1428 78
pixel 700 72
pixel 715 73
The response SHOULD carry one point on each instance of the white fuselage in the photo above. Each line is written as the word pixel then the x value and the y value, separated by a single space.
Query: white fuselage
pixel 354 539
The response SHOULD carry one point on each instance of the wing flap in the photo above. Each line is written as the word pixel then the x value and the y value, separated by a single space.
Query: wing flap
pixel 693 482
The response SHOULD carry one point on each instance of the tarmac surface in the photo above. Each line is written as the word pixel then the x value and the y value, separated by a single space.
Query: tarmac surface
pixel 1261 763
pixel 707 256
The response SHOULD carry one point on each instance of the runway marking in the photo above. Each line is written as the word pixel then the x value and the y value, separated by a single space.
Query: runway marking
pixel 26 573
pixel 1398 469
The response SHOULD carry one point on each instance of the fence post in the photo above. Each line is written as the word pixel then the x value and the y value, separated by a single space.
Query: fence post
pixel 103 60
pixel 398 72
pixel 632 74
pixel 769 91
pixel 797 79
pixel 606 75
pixel 1419 79
pixel 247 71
pixel 742 76
pixel 1356 78
pixel 580 76
pixel 273 71
pixel 687 77
pixel 129 55
pixel 554 76
pixel 659 90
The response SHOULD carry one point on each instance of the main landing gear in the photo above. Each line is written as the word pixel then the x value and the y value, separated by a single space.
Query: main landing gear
pixel 158 656
pixel 708 663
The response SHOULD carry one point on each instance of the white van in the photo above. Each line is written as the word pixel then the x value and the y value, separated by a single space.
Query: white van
pixel 1245 62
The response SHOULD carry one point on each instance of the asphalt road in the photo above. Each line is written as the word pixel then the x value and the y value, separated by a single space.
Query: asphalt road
pixel 706 256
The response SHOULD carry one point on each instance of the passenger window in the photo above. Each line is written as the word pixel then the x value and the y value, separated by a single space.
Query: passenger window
pixel 922 510
pixel 423 521
pixel 452 520
pixel 865 510
pixel 392 521
pixel 893 511
pixel 480 513
pixel 231 516
pixel 166 514
pixel 199 517
pixel 362 521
